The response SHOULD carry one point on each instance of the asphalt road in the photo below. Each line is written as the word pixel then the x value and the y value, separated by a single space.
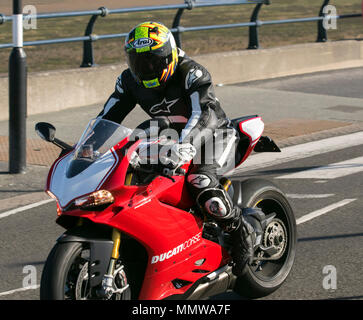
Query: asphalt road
pixel 321 83
pixel 333 239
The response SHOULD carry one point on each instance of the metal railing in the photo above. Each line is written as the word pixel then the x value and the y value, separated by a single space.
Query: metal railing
pixel 177 29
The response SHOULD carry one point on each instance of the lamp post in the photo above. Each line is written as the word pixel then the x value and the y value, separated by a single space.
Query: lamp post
pixel 17 95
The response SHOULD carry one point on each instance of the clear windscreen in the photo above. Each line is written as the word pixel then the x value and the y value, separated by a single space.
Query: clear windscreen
pixel 96 141
pixel 98 138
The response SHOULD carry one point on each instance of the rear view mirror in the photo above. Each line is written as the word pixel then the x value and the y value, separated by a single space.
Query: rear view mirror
pixel 45 130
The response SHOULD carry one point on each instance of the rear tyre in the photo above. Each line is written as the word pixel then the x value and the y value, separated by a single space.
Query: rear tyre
pixel 261 278
pixel 65 275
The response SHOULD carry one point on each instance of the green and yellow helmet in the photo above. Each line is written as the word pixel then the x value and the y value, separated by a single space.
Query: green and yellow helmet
pixel 151 54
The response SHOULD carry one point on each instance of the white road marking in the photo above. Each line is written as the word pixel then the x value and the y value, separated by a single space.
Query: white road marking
pixel 330 171
pixel 22 200
pixel 305 150
pixel 19 290
pixel 309 196
pixel 24 208
pixel 322 211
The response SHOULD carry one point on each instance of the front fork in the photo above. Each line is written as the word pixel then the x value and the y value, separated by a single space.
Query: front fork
pixel 109 287
pixel 116 238
pixel 108 282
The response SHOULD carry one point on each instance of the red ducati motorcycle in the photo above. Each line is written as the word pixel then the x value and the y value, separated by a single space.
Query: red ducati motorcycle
pixel 134 232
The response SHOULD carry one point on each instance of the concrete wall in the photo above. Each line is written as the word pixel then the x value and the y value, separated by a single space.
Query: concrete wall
pixel 57 90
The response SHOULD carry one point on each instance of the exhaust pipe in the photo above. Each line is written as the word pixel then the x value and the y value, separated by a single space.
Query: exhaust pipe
pixel 216 282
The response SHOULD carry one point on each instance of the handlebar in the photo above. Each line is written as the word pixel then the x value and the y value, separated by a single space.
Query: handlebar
pixel 181 171
pixel 162 170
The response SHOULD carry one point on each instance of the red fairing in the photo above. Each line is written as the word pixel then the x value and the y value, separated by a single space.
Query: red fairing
pixel 107 180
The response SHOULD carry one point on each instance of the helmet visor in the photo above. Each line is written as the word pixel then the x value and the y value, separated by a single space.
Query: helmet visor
pixel 147 66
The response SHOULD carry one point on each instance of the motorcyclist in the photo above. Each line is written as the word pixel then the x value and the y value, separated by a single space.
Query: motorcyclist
pixel 168 84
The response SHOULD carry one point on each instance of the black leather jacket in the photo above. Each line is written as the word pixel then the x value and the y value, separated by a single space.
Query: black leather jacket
pixel 188 101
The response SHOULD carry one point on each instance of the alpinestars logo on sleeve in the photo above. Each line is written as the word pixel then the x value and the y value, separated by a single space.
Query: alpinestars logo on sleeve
pixel 163 107
pixel 193 75
pixel 119 85
pixel 199 180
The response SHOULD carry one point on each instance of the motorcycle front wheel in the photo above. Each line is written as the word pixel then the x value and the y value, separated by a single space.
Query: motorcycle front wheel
pixel 65 275
pixel 263 277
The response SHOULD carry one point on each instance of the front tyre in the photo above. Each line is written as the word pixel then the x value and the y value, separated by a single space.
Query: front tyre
pixel 265 276
pixel 65 275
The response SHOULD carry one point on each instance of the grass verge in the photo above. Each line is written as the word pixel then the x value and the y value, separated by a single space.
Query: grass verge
pixel 65 56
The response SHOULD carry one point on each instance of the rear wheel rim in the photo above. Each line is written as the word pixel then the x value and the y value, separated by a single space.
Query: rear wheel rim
pixel 277 232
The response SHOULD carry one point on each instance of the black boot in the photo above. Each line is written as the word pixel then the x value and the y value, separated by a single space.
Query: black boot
pixel 242 236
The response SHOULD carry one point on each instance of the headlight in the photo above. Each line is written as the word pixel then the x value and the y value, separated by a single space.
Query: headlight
pixel 95 199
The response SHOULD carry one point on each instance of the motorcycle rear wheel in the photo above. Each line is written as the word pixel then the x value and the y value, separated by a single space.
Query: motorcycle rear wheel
pixel 261 278
pixel 65 275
